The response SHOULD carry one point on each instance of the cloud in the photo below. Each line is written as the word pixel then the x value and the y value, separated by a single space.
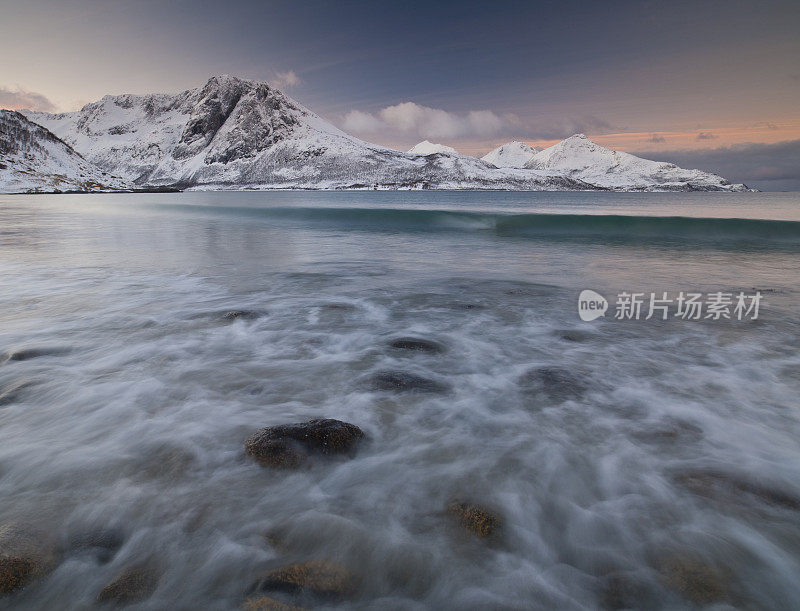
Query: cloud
pixel 18 99
pixel 705 136
pixel 285 80
pixel 764 166
pixel 767 125
pixel 409 119
pixel 656 139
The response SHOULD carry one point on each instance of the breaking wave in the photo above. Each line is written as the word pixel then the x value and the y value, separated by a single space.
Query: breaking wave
pixel 755 232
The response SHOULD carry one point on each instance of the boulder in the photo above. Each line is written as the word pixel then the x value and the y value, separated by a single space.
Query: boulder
pixel 132 585
pixel 476 519
pixel 322 579
pixel 25 554
pixel 289 445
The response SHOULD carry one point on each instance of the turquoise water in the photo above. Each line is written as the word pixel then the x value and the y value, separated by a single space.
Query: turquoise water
pixel 656 443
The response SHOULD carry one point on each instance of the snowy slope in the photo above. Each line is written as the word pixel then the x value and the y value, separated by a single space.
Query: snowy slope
pixel 580 158
pixel 238 134
pixel 430 148
pixel 511 155
pixel 32 159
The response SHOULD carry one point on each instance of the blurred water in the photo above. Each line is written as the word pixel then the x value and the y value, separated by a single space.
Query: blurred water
pixel 131 414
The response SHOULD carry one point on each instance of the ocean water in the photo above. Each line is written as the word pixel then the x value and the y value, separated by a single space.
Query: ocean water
pixel 631 463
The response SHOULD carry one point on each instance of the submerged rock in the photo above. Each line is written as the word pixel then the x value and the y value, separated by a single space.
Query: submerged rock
pixel 695 580
pixel 401 381
pixel 417 345
pixel 25 554
pixel 289 445
pixel 241 314
pixel 132 585
pixel 101 544
pixel 12 393
pixel 725 486
pixel 321 578
pixel 265 603
pixel 27 354
pixel 555 383
pixel 622 591
pixel 475 519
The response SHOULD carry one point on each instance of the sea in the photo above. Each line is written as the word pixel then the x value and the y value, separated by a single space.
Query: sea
pixel 638 451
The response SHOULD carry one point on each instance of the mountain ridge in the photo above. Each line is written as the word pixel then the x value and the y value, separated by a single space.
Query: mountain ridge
pixel 233 133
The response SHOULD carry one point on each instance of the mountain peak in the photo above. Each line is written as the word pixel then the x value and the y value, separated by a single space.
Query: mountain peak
pixel 429 148
pixel 514 154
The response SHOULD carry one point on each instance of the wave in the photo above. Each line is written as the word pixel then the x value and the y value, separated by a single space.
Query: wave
pixel 542 225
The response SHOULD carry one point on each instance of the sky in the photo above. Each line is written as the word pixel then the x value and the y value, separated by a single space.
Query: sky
pixel 706 81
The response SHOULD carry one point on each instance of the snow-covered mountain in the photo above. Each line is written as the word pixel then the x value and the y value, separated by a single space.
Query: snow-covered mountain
pixel 430 148
pixel 238 134
pixel 580 158
pixel 233 133
pixel 33 159
pixel 511 155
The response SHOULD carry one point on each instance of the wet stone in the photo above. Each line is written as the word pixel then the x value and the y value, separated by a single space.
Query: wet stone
pixel 400 381
pixel 417 345
pixel 133 585
pixel 27 354
pixel 322 579
pixel 728 487
pixel 240 315
pixel 13 392
pixel 101 544
pixel 25 554
pixel 266 603
pixel 694 580
pixel 289 445
pixel 476 519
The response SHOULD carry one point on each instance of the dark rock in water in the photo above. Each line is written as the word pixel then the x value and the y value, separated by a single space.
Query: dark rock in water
pixel 27 354
pixel 25 554
pixel 265 603
pixel 402 382
pixel 416 344
pixel 622 591
pixel 671 430
pixel 100 544
pixel 133 585
pixel 12 393
pixel 241 314
pixel 288 445
pixel 720 486
pixel 554 383
pixel 574 335
pixel 321 578
pixel 694 579
pixel 475 519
